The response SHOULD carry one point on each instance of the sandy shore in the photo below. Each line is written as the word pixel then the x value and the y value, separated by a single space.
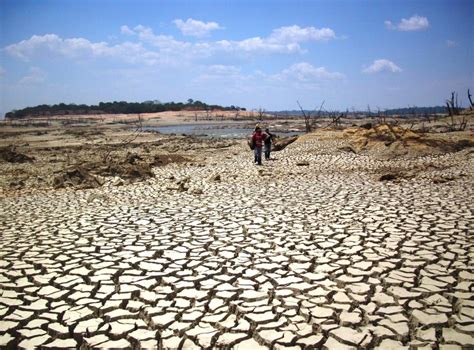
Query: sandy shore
pixel 327 245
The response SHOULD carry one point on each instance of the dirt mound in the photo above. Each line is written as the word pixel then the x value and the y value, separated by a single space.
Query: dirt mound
pixel 164 159
pixel 133 167
pixel 392 141
pixel 9 155
pixel 130 168
pixel 78 177
pixel 126 171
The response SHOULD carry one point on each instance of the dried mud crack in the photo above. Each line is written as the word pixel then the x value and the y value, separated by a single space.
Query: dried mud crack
pixel 317 256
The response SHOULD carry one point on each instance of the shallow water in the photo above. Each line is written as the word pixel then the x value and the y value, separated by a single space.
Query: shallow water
pixel 210 130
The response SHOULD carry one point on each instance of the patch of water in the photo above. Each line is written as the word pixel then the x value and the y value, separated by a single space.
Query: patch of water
pixel 210 131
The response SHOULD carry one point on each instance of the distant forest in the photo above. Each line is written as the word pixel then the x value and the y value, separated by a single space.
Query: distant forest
pixel 409 111
pixel 115 107
pixel 123 107
pixel 416 110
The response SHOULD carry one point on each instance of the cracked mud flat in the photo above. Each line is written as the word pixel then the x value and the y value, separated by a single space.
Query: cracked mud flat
pixel 230 255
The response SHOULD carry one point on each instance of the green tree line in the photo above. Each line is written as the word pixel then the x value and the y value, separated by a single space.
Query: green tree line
pixel 115 107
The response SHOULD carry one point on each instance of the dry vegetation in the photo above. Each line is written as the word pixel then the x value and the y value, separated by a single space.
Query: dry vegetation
pixel 52 157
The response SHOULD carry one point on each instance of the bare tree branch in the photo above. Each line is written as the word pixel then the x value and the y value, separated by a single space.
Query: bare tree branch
pixel 128 139
pixel 470 100
pixel 306 118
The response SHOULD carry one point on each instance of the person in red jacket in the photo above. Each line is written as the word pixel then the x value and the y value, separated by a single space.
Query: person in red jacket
pixel 258 137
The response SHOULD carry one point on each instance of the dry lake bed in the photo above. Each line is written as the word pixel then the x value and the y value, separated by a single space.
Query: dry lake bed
pixel 333 244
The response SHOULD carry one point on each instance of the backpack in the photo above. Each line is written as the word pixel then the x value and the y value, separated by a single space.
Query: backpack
pixel 251 143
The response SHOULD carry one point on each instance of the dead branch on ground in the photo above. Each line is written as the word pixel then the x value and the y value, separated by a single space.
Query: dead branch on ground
pixel 453 125
pixel 129 138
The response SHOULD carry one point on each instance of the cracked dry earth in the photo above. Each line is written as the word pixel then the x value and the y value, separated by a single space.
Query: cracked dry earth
pixel 279 256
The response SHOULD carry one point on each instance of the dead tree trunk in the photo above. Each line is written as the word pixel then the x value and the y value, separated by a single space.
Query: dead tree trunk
pixel 307 117
pixel 318 115
pixel 127 139
pixel 470 100
pixel 260 115
pixel 336 120
pixel 463 124
pixel 450 112
pixel 454 103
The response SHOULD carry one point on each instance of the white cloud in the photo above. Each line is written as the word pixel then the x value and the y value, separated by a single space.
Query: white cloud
pixel 154 48
pixel 382 65
pixel 264 45
pixel 299 75
pixel 306 72
pixel 26 48
pixel 126 30
pixel 451 43
pixel 183 49
pixel 414 23
pixel 296 34
pixel 80 48
pixel 35 76
pixel 407 25
pixel 196 28
pixel 281 40
pixel 163 42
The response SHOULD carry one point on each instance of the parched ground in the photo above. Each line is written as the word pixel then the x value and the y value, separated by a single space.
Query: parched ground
pixel 311 250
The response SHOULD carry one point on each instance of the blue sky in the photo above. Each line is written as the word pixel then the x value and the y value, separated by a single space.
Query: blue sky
pixel 254 54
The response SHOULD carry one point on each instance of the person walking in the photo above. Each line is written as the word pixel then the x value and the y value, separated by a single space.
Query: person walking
pixel 269 139
pixel 257 140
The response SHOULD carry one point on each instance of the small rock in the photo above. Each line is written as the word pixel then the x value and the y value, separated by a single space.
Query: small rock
pixel 216 177
pixel 118 182
pixel 348 149
pixel 388 177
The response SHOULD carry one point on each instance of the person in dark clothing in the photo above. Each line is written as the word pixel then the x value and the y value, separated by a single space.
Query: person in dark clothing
pixel 258 137
pixel 268 143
